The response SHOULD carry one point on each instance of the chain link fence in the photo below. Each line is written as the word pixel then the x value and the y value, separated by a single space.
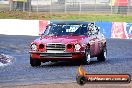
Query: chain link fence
pixel 67 6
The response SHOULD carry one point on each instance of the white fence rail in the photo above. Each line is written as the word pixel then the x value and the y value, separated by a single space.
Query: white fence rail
pixel 61 6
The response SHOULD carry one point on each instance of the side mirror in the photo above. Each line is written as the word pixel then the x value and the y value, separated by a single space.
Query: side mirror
pixel 40 34
pixel 97 30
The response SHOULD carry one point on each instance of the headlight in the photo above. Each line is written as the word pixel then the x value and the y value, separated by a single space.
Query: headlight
pixel 77 46
pixel 33 47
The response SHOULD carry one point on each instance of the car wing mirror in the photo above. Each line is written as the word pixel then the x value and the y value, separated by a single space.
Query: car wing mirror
pixel 97 30
pixel 40 34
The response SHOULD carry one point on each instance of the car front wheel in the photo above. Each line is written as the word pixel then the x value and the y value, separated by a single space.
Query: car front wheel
pixel 103 54
pixel 87 58
pixel 34 62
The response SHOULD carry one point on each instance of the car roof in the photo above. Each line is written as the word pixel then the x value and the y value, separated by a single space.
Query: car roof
pixel 69 22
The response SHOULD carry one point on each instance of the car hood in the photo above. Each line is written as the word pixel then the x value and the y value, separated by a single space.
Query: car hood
pixel 63 39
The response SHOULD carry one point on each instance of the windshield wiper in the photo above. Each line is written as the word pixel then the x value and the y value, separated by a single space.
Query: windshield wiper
pixel 72 34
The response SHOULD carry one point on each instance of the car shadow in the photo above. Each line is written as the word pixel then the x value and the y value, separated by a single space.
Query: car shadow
pixel 66 63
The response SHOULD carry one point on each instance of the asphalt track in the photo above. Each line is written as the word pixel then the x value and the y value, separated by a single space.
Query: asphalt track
pixel 20 72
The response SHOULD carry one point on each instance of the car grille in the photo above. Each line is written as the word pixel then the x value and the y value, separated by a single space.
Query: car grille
pixel 56 55
pixel 55 48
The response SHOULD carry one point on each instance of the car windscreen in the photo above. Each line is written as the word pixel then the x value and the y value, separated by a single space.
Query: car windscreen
pixel 66 29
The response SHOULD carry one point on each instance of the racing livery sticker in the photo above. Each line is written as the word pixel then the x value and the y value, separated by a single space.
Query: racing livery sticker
pixel 129 30
pixel 105 28
pixel 119 30
pixel 42 25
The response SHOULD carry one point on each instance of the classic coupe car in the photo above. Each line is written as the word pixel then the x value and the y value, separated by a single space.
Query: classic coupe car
pixel 68 41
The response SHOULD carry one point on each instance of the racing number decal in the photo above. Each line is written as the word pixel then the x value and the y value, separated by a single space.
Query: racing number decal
pixel 72 28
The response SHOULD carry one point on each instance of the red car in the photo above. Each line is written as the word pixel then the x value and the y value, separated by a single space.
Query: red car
pixel 68 41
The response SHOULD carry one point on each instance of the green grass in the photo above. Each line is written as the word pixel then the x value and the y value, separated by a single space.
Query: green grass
pixel 67 16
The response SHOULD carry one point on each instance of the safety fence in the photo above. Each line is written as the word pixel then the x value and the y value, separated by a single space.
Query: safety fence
pixel 69 6
pixel 121 30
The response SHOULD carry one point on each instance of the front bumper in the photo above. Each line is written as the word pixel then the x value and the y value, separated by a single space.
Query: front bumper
pixel 57 56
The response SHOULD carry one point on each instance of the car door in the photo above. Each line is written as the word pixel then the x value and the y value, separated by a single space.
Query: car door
pixel 101 42
pixel 94 45
pixel 94 41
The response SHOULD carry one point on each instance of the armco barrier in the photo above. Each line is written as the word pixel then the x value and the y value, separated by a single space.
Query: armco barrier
pixel 120 30
pixel 42 25
pixel 129 30
pixel 105 28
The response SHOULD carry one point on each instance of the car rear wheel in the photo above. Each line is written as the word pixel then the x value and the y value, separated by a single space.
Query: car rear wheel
pixel 103 54
pixel 34 62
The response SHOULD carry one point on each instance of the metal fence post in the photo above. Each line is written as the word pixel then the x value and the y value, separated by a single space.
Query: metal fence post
pixel 111 6
pixel 37 6
pixel 23 6
pixel 95 6
pixel 80 5
pixel 10 4
pixel 29 11
pixel 50 7
pixel 65 6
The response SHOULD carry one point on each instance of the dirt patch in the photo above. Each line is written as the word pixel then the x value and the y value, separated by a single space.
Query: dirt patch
pixel 5 60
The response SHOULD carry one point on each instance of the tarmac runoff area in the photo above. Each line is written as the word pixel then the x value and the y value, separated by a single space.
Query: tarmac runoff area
pixel 16 72
pixel 73 85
